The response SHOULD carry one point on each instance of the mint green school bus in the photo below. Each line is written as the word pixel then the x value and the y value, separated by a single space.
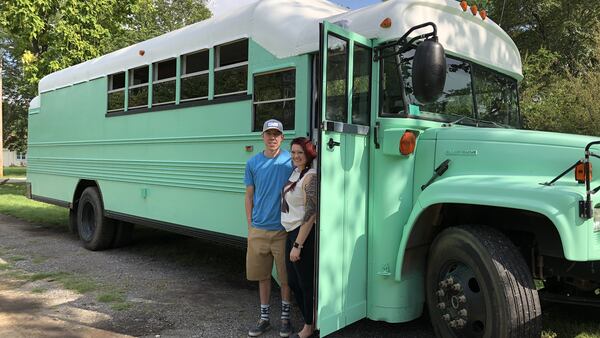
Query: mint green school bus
pixel 431 196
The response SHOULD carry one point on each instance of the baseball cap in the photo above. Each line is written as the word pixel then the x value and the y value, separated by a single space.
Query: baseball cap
pixel 273 124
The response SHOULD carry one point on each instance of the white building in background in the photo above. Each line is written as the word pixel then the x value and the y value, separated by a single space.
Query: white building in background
pixel 13 158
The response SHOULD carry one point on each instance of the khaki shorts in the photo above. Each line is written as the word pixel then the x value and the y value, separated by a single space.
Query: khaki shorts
pixel 263 246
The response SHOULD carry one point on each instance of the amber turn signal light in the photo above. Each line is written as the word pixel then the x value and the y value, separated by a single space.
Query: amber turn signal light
pixel 580 172
pixel 408 142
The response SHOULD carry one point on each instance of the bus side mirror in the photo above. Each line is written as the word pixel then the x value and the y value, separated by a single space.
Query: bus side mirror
pixel 429 71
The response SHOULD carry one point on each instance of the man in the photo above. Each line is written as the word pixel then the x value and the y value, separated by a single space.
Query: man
pixel 266 174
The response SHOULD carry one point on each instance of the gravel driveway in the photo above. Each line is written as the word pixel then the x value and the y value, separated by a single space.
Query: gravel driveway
pixel 163 285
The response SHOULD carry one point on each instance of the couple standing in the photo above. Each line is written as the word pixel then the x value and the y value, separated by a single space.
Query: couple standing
pixel 281 205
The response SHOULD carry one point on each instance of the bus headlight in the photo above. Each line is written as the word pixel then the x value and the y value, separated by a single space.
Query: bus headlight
pixel 597 218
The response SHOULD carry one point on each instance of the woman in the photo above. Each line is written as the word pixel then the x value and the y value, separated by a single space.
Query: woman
pixel 298 214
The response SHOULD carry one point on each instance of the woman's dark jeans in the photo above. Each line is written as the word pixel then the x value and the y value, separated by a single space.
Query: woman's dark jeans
pixel 301 273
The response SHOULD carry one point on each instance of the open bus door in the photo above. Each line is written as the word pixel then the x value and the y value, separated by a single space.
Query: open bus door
pixel 345 104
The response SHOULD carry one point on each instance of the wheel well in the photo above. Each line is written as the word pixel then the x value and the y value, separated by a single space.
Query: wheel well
pixel 81 186
pixel 529 231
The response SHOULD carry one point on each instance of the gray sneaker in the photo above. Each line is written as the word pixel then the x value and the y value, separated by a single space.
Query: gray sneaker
pixel 261 327
pixel 286 328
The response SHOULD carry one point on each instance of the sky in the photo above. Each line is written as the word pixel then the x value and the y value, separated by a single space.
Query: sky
pixel 220 6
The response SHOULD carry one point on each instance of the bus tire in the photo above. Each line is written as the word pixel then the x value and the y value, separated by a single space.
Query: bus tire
pixel 95 231
pixel 123 234
pixel 478 285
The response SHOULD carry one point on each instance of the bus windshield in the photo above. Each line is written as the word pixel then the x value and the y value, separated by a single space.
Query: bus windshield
pixel 473 95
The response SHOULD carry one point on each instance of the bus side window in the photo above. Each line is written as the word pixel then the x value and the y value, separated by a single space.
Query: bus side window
pixel 275 98
pixel 194 76
pixel 231 68
pixel 116 92
pixel 163 84
pixel 138 87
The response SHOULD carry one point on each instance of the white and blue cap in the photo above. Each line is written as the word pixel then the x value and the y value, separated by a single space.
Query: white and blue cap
pixel 273 124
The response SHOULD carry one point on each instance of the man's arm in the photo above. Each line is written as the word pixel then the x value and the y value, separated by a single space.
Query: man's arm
pixel 249 204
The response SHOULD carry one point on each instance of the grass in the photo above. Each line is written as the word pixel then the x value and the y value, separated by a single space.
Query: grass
pixel 570 321
pixel 16 258
pixel 51 276
pixel 15 172
pixel 18 275
pixel 111 297
pixel 38 259
pixel 120 306
pixel 79 284
pixel 13 202
pixel 116 299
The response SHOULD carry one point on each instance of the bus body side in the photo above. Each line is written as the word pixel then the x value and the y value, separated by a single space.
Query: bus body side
pixel 166 166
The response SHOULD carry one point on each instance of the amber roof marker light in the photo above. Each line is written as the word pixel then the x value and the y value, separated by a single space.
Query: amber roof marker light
pixel 386 23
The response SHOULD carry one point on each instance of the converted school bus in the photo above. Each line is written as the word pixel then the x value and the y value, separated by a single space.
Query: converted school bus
pixel 430 193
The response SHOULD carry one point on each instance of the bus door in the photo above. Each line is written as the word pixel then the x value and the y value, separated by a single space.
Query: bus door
pixel 341 288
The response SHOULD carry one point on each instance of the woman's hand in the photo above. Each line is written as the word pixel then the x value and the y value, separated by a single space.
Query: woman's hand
pixel 295 254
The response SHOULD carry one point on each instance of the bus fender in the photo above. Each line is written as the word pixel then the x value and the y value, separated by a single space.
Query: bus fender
pixel 558 204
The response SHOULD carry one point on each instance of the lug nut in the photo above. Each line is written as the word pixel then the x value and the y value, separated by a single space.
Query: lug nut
pixel 441 306
pixel 440 293
pixel 446 317
pixel 462 313
pixel 456 287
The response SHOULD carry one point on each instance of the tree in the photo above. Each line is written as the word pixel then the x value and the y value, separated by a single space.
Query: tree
pixel 38 37
pixel 567 28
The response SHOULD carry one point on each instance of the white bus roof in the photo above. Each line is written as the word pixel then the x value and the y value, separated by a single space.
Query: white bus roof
pixel 290 27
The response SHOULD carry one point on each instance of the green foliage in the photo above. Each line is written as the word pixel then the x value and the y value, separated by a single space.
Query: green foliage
pixel 560 47
pixel 557 98
pixel 567 28
pixel 38 37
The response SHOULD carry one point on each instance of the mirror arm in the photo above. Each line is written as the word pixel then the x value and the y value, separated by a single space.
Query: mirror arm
pixel 406 45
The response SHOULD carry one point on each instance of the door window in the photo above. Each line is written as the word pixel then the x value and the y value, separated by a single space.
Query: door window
pixel 361 85
pixel 337 79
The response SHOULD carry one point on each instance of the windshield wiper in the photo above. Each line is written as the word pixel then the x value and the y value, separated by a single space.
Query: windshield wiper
pixel 459 120
pixel 476 122
pixel 499 125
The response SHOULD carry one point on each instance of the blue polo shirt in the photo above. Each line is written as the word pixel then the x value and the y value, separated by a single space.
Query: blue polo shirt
pixel 268 176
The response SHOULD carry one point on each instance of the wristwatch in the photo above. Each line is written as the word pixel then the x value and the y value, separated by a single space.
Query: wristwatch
pixel 297 245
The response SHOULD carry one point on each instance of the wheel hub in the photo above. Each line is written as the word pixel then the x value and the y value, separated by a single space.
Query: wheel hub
pixel 460 303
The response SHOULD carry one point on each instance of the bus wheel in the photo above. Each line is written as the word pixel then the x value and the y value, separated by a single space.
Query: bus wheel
pixel 478 285
pixel 95 230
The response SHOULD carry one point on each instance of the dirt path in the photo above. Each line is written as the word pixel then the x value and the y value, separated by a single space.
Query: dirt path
pixel 164 285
